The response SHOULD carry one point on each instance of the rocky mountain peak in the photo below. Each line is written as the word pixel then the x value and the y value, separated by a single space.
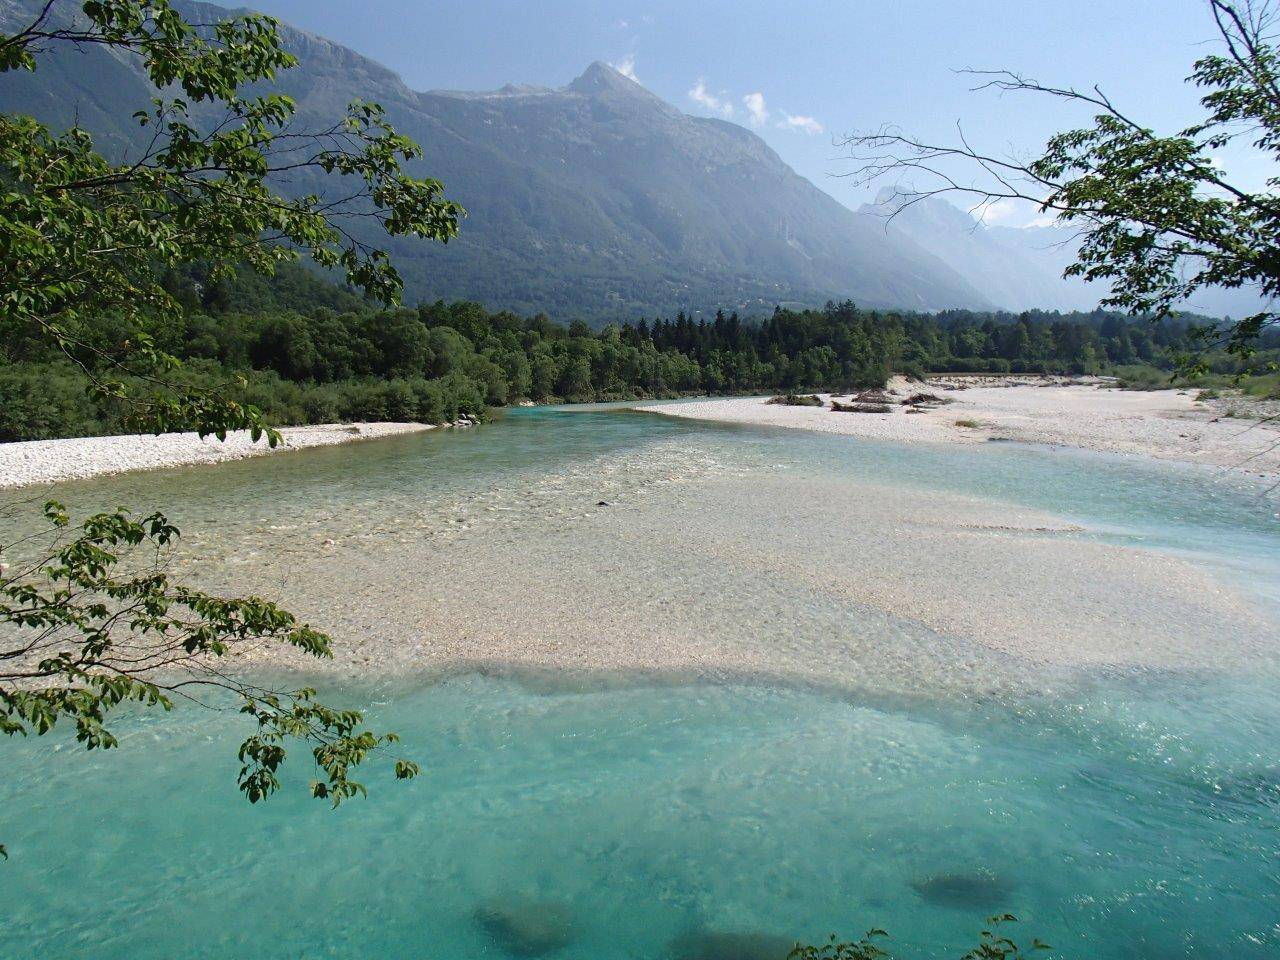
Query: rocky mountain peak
pixel 600 77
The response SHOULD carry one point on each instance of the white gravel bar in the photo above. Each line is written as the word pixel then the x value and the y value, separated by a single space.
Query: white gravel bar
pixel 1164 424
pixel 49 461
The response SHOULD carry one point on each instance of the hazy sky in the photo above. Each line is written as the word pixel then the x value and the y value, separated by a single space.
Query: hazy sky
pixel 801 73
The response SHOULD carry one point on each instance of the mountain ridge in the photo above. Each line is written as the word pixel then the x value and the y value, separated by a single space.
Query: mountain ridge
pixel 596 200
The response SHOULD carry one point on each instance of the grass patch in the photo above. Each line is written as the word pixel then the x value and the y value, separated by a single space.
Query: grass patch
pixel 1264 384
pixel 968 424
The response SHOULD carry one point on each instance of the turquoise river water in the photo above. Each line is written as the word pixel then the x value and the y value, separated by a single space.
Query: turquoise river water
pixel 777 683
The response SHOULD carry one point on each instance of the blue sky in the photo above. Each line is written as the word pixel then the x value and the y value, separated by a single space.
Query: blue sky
pixel 802 73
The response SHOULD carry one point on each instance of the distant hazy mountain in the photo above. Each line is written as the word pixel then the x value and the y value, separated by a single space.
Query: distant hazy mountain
pixel 1053 248
pixel 1019 267
pixel 1013 271
pixel 597 199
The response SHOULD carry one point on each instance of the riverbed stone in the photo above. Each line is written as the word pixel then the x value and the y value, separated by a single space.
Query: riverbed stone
pixel 527 928
pixel 979 889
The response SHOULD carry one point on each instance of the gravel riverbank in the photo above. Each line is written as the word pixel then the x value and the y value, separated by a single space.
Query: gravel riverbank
pixel 1165 424
pixel 49 461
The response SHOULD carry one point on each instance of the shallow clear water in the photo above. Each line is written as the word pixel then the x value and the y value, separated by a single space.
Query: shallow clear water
pixel 1118 811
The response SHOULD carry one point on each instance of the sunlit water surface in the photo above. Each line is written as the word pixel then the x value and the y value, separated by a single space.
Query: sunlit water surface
pixel 1118 812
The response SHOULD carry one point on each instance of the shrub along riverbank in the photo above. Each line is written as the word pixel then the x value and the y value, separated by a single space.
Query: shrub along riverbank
pixel 303 351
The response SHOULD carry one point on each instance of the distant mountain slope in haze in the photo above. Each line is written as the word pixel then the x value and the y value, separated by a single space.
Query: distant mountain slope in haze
pixel 597 199
pixel 1020 267
pixel 1053 248
pixel 1011 271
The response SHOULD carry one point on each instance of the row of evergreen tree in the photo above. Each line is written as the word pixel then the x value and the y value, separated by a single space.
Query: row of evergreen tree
pixel 303 351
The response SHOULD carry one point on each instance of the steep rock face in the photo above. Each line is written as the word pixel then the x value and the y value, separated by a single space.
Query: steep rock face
pixel 596 200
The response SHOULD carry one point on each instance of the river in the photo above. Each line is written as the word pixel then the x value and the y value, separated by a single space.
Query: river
pixel 667 678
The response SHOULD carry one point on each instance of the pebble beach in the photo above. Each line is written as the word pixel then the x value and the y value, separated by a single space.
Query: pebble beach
pixel 51 461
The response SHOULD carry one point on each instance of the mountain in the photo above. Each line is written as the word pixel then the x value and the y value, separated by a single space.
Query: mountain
pixel 1011 270
pixel 601 201
pixel 1020 267
pixel 596 200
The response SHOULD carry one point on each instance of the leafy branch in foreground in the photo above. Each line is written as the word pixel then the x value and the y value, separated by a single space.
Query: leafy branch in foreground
pixel 864 949
pixel 92 622
pixel 1157 216
pixel 82 235
pixel 991 946
pixel 85 241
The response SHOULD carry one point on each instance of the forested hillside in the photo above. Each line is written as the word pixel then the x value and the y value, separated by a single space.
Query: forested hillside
pixel 304 350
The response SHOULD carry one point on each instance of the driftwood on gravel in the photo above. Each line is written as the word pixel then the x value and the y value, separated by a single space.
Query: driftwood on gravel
pixel 858 407
pixel 872 396
pixel 796 400
pixel 925 399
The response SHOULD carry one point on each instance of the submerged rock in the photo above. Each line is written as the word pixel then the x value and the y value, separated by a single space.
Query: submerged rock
pixel 527 928
pixel 1258 788
pixel 978 890
pixel 717 945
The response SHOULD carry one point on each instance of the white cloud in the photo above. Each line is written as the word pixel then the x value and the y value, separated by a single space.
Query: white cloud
pixel 997 211
pixel 708 100
pixel 758 112
pixel 627 67
pixel 1010 212
pixel 804 124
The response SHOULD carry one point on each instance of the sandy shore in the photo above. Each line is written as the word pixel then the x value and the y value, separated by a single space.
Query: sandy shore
pixel 49 461
pixel 1166 424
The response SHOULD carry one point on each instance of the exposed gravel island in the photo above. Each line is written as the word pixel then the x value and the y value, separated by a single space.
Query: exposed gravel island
pixel 1167 424
pixel 49 461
